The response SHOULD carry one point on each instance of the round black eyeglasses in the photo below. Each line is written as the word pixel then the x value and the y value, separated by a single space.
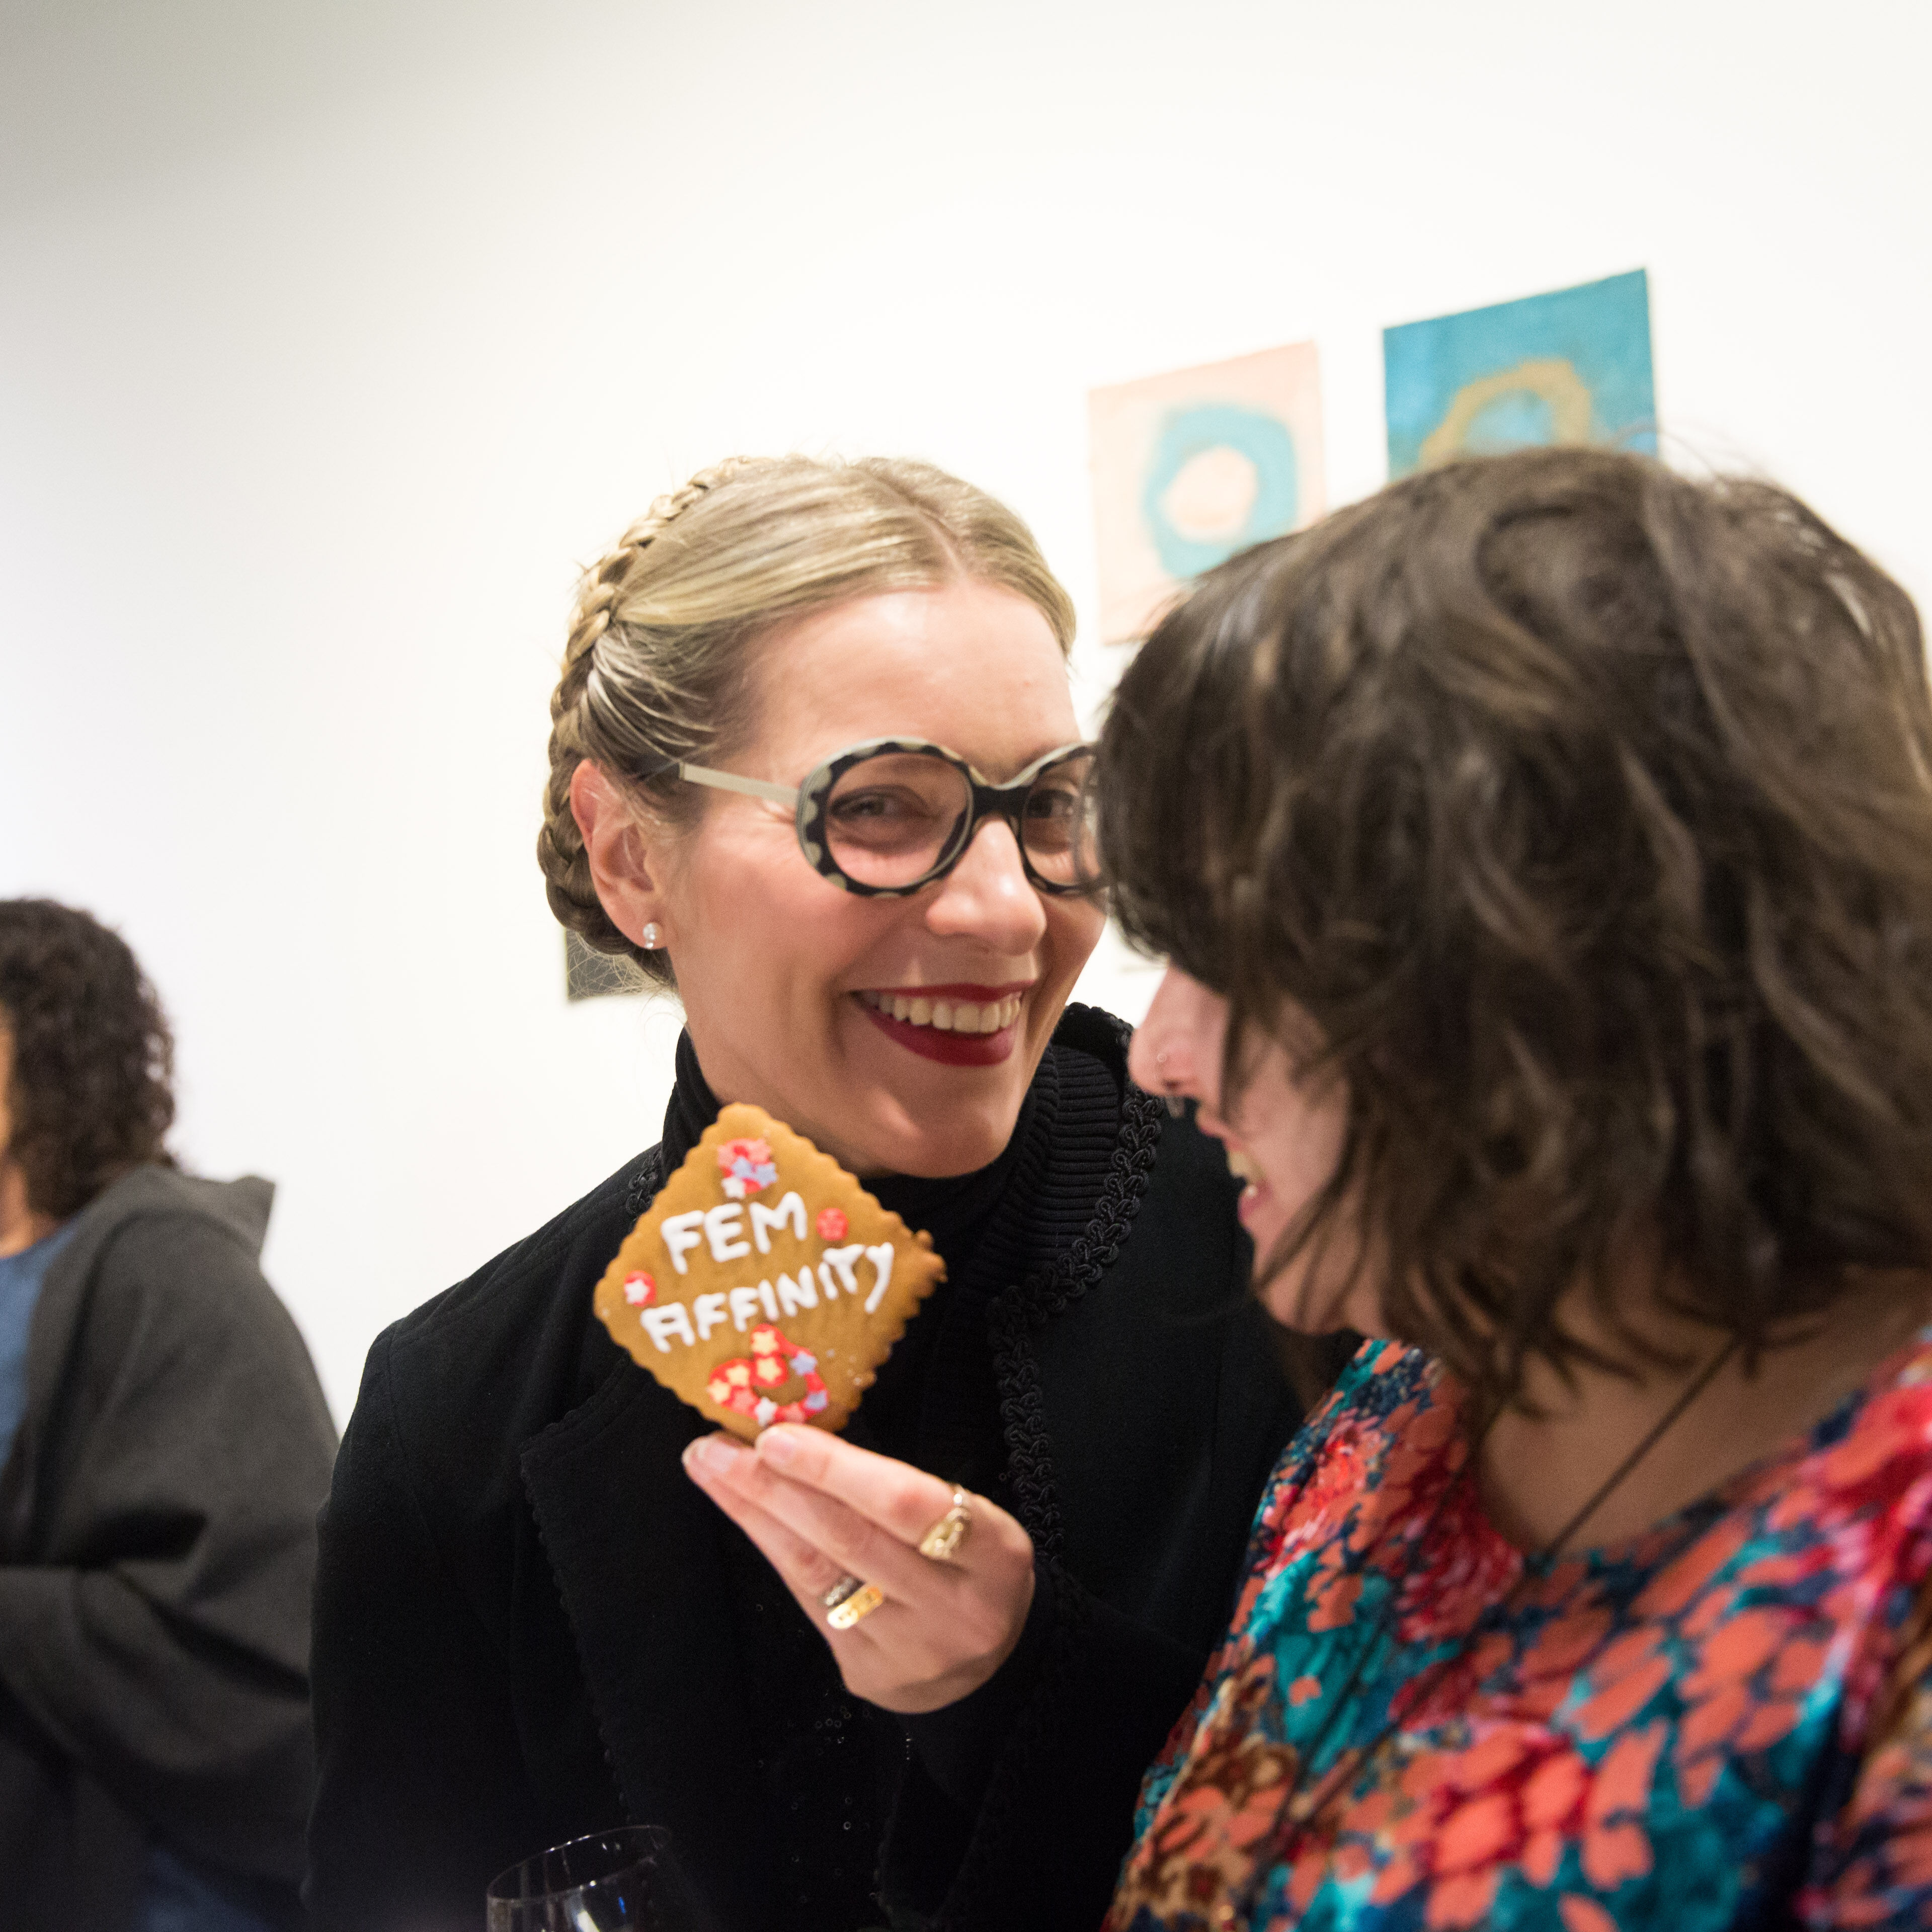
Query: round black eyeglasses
pixel 885 818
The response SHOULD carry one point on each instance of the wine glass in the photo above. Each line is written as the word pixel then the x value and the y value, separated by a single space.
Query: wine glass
pixel 620 1881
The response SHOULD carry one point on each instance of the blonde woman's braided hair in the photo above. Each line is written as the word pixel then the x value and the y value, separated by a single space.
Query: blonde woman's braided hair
pixel 659 662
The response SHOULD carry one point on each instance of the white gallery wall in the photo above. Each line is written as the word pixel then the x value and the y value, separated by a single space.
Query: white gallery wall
pixel 333 339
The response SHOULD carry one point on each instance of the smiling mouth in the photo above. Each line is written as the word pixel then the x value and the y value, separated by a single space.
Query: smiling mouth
pixel 947 1015
pixel 1246 1170
pixel 1240 1164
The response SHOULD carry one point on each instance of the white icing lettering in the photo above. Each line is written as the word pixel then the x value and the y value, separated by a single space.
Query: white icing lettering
pixel 840 1259
pixel 721 1224
pixel 681 1235
pixel 791 1209
pixel 744 1309
pixel 881 1258
pixel 771 1303
pixel 661 1323
pixel 709 1309
pixel 793 1295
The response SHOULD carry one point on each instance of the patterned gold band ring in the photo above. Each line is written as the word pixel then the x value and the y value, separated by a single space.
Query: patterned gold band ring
pixel 942 1542
pixel 854 1609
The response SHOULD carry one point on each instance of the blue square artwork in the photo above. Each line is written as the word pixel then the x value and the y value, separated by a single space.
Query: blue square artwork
pixel 1570 367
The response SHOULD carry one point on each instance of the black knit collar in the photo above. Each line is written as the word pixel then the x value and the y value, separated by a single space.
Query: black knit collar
pixel 691 1108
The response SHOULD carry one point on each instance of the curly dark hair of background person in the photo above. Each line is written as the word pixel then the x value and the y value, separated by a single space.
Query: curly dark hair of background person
pixel 1585 809
pixel 93 1059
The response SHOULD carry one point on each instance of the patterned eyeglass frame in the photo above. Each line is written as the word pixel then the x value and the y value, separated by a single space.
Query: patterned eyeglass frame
pixel 808 803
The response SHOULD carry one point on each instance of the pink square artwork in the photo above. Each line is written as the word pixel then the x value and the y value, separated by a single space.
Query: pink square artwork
pixel 1191 467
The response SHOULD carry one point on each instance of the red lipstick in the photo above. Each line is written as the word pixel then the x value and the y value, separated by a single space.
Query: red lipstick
pixel 942 1043
pixel 953 1049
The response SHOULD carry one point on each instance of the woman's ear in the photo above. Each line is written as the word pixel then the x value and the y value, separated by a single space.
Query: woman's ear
pixel 616 846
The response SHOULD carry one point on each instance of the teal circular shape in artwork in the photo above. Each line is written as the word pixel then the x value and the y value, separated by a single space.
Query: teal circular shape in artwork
pixel 1517 419
pixel 1188 432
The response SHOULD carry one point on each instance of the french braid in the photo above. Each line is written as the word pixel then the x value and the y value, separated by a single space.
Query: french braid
pixel 566 866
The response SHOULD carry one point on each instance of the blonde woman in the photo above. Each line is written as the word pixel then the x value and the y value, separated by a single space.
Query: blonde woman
pixel 530 1623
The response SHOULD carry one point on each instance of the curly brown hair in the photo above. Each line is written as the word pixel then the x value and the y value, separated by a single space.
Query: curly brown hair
pixel 92 1056
pixel 1586 811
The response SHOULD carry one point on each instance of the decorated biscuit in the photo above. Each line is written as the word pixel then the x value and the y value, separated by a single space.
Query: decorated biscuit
pixel 764 1284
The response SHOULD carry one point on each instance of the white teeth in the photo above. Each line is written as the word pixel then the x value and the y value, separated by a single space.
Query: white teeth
pixel 948 1016
pixel 1240 1166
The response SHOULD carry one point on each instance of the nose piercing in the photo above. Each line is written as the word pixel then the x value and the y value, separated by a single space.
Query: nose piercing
pixel 1177 1105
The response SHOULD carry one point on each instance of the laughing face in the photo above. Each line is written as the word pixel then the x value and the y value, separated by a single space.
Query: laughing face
pixel 900 1035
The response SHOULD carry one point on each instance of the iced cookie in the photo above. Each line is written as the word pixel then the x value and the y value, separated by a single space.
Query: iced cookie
pixel 764 1284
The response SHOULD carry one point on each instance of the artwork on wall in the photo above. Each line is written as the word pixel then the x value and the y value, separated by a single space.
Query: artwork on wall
pixel 1190 466
pixel 588 974
pixel 1570 367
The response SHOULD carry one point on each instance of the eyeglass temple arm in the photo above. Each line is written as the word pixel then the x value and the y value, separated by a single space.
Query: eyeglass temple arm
pixel 778 794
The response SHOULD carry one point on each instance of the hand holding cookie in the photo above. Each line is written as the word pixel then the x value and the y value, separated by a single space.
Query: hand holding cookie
pixel 831 1518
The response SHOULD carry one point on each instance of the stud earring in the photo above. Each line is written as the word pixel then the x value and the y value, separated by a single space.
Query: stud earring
pixel 652 938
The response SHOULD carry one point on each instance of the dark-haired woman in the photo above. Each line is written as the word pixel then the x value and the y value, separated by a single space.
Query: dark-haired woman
pixel 1554 959
pixel 1544 849
pixel 163 1449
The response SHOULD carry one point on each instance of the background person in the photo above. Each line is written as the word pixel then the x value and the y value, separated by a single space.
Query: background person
pixel 529 1624
pixel 165 1447
pixel 1552 925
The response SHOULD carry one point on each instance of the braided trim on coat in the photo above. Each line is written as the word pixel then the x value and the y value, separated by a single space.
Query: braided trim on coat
pixel 1049 1293
pixel 647 1183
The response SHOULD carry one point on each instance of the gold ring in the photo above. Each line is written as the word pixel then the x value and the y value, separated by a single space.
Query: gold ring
pixel 942 1541
pixel 848 1585
pixel 859 1605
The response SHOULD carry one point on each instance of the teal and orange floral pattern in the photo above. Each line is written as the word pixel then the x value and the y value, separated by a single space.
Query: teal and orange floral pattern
pixel 1725 1722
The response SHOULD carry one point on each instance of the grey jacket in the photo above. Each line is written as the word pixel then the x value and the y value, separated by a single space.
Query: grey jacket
pixel 156 1558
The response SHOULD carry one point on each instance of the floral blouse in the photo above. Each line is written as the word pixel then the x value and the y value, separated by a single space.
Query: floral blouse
pixel 1724 1723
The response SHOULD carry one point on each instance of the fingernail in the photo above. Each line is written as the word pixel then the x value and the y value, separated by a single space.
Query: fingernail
pixel 779 1446
pixel 710 1456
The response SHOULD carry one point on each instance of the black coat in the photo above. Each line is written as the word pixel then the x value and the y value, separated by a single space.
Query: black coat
pixel 157 1556
pixel 530 1623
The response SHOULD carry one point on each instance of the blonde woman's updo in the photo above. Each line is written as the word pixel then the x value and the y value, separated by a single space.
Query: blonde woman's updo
pixel 657 663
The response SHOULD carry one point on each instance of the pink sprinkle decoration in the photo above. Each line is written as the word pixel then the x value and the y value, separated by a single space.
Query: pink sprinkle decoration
pixel 749 1167
pixel 832 1224
pixel 638 1289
